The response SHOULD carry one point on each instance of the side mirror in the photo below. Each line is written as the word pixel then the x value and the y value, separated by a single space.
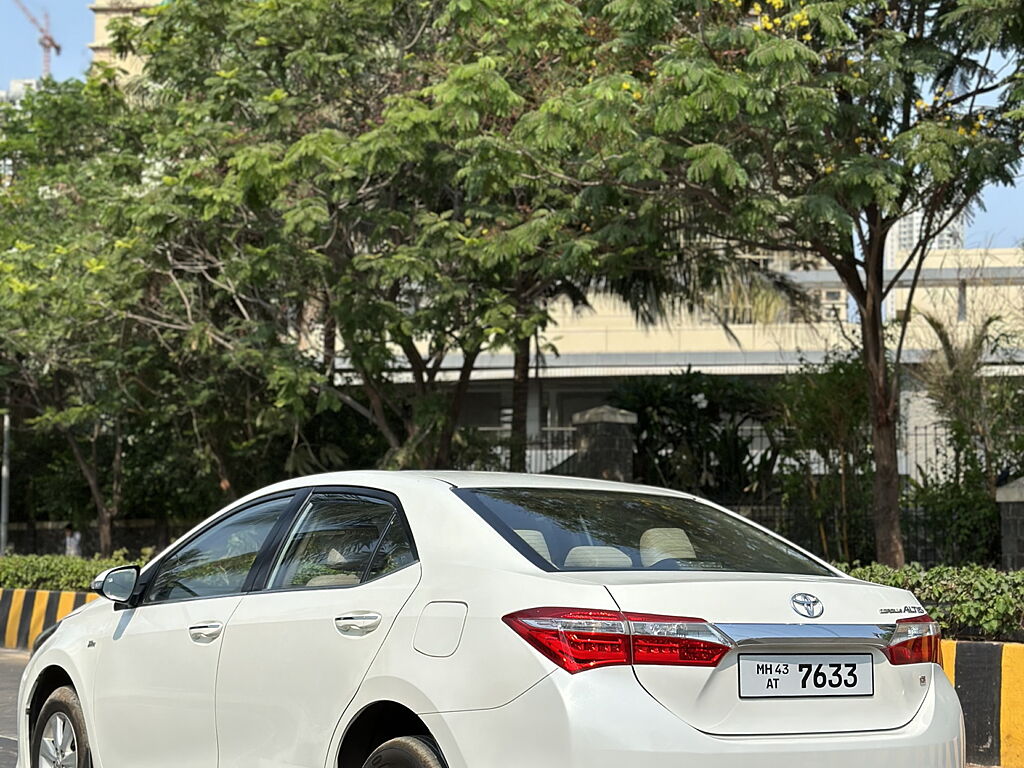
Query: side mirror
pixel 117 584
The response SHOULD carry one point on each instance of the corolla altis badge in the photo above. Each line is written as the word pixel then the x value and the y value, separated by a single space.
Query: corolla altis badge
pixel 914 610
pixel 807 605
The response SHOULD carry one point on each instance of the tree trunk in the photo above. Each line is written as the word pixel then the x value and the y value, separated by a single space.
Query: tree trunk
pixel 520 405
pixel 330 345
pixel 443 455
pixel 888 536
pixel 884 400
pixel 105 529
pixel 104 518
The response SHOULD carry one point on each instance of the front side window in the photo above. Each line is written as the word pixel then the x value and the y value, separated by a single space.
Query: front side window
pixel 217 561
pixel 341 540
pixel 587 530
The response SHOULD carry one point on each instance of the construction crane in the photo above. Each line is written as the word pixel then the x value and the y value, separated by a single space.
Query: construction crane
pixel 46 41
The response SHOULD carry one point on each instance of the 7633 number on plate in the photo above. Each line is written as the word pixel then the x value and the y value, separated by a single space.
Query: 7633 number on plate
pixel 793 675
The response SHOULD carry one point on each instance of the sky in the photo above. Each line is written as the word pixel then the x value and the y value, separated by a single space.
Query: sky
pixel 1001 225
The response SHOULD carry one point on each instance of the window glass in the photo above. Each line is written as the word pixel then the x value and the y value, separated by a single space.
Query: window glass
pixel 217 561
pixel 336 538
pixel 585 530
pixel 394 552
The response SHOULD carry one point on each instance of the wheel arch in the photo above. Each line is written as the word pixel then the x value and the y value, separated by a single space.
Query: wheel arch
pixel 375 724
pixel 47 681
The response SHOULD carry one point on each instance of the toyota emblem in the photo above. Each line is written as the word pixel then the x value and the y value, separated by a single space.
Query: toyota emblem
pixel 807 605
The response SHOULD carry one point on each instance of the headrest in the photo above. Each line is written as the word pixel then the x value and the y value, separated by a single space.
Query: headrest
pixel 658 544
pixel 535 539
pixel 597 557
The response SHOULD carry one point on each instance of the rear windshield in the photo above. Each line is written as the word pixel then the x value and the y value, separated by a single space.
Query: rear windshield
pixel 586 530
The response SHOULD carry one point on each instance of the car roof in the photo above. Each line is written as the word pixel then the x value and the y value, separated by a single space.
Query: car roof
pixel 396 479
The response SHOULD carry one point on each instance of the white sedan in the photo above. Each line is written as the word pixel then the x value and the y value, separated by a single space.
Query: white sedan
pixel 470 620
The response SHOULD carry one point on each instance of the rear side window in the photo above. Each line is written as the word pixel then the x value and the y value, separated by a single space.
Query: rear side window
pixel 587 530
pixel 341 540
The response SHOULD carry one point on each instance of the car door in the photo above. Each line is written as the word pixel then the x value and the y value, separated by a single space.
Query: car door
pixel 297 650
pixel 156 670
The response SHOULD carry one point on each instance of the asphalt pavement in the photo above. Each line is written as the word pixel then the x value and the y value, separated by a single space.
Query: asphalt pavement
pixel 11 665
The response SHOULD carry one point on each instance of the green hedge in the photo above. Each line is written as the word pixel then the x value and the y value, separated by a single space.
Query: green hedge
pixel 970 602
pixel 54 572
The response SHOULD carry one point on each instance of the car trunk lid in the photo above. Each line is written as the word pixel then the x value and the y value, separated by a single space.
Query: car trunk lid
pixel 757 613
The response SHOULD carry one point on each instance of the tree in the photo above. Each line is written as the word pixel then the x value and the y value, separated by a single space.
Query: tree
pixel 981 412
pixel 825 460
pixel 504 68
pixel 307 190
pixel 77 369
pixel 806 128
pixel 157 413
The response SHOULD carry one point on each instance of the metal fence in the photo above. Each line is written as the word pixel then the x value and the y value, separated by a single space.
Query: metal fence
pixel 550 452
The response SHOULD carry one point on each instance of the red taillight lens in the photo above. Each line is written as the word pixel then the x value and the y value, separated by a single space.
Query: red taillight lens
pixel 574 639
pixel 578 639
pixel 673 640
pixel 917 640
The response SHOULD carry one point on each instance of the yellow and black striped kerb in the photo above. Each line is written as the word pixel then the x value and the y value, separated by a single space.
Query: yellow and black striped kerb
pixel 24 613
pixel 989 679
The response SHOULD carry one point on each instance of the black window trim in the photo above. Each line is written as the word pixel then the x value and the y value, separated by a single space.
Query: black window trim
pixel 261 581
pixel 470 496
pixel 297 496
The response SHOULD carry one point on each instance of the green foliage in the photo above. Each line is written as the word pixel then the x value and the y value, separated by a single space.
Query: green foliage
pixel 961 515
pixel 982 415
pixel 825 467
pixel 691 433
pixel 970 602
pixel 314 211
pixel 55 572
pixel 721 128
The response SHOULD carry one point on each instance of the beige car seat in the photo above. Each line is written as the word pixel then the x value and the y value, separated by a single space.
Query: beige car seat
pixel 657 544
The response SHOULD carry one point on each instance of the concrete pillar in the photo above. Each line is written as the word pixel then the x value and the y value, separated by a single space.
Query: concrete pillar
pixel 1011 513
pixel 604 443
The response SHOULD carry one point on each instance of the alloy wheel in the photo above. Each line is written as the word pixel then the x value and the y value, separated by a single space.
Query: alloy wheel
pixel 59 746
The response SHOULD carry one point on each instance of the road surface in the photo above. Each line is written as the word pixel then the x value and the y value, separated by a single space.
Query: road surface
pixel 11 664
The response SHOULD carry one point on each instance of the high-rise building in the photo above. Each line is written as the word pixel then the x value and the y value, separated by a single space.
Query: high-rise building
pixel 16 90
pixel 105 11
pixel 907 233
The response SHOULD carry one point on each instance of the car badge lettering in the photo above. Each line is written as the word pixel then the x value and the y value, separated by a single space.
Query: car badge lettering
pixel 807 605
pixel 914 610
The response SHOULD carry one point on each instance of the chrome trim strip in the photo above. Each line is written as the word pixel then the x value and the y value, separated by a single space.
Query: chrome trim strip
pixel 743 635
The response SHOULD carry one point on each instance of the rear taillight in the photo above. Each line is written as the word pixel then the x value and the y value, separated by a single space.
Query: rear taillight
pixel 917 640
pixel 673 640
pixel 578 639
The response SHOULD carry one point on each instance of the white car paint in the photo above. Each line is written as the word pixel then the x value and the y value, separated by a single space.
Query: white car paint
pixel 280 685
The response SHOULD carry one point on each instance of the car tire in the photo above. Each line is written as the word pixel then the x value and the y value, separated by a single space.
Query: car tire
pixel 406 752
pixel 61 712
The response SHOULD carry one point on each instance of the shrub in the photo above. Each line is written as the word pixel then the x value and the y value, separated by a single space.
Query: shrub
pixel 970 602
pixel 55 572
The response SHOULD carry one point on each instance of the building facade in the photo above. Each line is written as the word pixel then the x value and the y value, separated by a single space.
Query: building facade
pixel 597 348
pixel 104 12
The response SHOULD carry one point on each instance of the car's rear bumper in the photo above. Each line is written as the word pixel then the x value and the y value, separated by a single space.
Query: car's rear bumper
pixel 604 719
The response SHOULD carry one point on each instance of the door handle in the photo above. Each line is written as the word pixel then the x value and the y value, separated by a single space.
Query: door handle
pixel 357 622
pixel 205 633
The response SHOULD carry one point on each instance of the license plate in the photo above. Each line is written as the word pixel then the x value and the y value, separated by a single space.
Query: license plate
pixel 790 675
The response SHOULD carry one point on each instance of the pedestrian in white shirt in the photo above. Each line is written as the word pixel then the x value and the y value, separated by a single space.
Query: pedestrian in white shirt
pixel 72 541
